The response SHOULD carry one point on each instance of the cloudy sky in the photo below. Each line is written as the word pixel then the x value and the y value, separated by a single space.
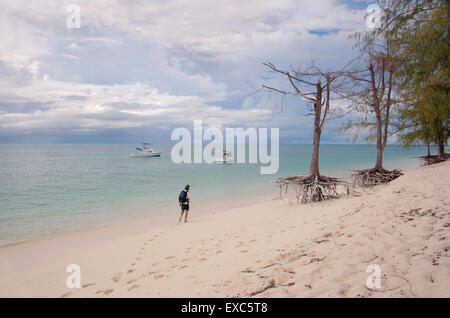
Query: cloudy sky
pixel 134 70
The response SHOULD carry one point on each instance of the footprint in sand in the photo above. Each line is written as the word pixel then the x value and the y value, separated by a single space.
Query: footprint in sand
pixel 130 271
pixel 158 276
pixel 131 281
pixel 183 266
pixel 116 278
pixel 133 287
pixel 202 259
pixel 289 271
pixel 108 291
pixel 87 285
pixel 66 294
pixel 169 257
pixel 219 251
pixel 244 251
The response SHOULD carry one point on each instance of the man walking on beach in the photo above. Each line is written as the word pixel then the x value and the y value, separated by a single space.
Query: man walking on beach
pixel 184 199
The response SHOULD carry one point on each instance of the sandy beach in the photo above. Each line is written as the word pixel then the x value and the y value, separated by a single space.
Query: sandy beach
pixel 272 249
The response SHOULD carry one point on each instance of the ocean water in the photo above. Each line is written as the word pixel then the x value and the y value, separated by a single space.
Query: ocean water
pixel 50 188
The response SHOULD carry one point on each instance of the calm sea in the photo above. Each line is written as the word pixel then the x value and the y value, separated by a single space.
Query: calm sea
pixel 46 189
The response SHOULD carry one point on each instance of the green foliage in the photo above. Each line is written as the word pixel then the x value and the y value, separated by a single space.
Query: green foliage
pixel 417 36
pixel 420 31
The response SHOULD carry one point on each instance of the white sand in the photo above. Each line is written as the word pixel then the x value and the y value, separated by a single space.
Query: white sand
pixel 269 250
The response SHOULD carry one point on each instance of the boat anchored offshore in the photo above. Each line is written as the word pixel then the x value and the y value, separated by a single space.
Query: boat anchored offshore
pixel 144 150
pixel 226 157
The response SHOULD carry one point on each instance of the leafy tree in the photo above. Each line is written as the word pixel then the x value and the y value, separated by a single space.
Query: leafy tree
pixel 420 32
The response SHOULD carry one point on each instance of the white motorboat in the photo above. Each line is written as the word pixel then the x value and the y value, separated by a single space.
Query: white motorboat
pixel 144 150
pixel 227 157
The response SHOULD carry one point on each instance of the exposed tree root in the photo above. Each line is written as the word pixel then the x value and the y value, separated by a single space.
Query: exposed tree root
pixel 313 188
pixel 430 160
pixel 367 178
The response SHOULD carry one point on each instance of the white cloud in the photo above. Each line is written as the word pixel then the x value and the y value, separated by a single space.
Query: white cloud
pixel 33 68
pixel 83 106
pixel 74 45
pixel 193 59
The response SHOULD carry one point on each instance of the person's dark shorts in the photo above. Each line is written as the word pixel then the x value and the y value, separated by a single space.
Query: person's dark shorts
pixel 185 207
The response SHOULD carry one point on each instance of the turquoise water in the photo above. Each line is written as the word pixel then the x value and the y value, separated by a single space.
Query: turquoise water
pixel 46 189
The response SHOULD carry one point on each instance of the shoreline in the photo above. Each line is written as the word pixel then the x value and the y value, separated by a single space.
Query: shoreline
pixel 237 253
pixel 162 218
pixel 165 215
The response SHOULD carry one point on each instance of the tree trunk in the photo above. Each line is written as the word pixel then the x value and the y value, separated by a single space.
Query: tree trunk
pixel 379 162
pixel 441 153
pixel 376 108
pixel 314 171
pixel 428 150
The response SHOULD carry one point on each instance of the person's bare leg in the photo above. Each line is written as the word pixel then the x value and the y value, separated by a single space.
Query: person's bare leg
pixel 181 215
pixel 185 216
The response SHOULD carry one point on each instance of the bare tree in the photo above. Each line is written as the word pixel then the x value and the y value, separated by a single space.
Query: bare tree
pixel 315 87
pixel 370 90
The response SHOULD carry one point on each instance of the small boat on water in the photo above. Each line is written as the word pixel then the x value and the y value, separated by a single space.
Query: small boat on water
pixel 144 150
pixel 226 157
